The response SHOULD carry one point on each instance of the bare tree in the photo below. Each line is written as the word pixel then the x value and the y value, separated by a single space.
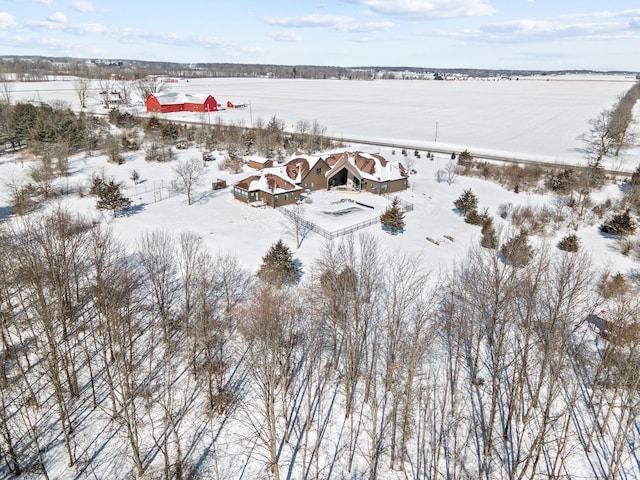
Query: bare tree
pixel 146 87
pixel 271 326
pixel 157 256
pixel 81 87
pixel 597 140
pixel 188 174
pixel 125 89
pixel 105 89
pixel 5 91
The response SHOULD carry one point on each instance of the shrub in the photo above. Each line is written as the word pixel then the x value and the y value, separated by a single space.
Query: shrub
pixel 464 158
pixel 615 286
pixel 517 251
pixel 157 152
pixel 475 218
pixel 635 177
pixel 620 224
pixel 489 234
pixel 570 243
pixel 560 182
pixel 466 202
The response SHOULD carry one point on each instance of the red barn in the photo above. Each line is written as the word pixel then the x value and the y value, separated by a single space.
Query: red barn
pixel 180 102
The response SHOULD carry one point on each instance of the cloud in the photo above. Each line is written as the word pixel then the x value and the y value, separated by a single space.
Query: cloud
pixel 605 14
pixel 428 9
pixel 367 27
pixel 58 17
pixel 336 22
pixel 79 28
pixel 83 6
pixel 600 25
pixel 313 20
pixel 45 2
pixel 288 36
pixel 7 20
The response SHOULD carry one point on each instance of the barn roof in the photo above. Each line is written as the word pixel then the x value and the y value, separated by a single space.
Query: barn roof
pixel 178 98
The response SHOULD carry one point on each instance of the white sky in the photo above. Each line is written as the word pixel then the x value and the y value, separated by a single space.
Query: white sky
pixel 518 34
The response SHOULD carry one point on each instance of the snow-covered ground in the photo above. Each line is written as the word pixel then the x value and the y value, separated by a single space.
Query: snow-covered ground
pixel 536 116
pixel 532 117
pixel 229 225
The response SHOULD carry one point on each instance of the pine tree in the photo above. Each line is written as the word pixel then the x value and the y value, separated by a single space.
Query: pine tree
pixel 110 197
pixel 517 251
pixel 489 234
pixel 620 224
pixel 278 265
pixel 570 243
pixel 466 202
pixel 393 217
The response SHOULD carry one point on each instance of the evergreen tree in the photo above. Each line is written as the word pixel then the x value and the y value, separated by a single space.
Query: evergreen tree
pixel 517 251
pixel 110 197
pixel 570 243
pixel 466 202
pixel 620 224
pixel 393 217
pixel 489 234
pixel 278 265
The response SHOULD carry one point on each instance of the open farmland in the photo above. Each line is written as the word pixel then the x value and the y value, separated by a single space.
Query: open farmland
pixel 533 117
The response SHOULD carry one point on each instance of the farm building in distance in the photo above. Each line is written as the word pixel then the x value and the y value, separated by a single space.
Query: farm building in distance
pixel 280 185
pixel 180 102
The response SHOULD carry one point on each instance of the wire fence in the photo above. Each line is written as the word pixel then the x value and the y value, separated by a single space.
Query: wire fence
pixel 306 225
pixel 404 205
pixel 151 191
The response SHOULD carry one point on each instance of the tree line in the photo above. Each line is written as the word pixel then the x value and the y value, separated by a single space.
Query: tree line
pixel 612 131
pixel 367 366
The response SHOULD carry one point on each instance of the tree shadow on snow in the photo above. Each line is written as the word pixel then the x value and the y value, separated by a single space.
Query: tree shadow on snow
pixel 5 212
pixel 133 209
pixel 209 195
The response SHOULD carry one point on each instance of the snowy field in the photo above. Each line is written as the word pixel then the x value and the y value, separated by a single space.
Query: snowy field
pixel 533 117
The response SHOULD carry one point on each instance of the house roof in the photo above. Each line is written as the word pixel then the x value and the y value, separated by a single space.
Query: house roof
pixel 178 98
pixel 297 168
pixel 370 166
pixel 268 181
pixel 287 177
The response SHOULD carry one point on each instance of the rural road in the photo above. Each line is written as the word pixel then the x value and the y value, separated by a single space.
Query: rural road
pixel 499 158
pixel 482 156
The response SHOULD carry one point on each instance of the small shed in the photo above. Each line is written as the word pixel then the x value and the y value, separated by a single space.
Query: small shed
pixel 259 163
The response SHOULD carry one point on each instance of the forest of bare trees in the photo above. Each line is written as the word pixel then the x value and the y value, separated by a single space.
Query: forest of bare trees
pixel 166 361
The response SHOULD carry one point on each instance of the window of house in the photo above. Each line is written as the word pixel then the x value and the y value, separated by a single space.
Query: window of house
pixel 383 188
pixel 286 196
pixel 318 170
